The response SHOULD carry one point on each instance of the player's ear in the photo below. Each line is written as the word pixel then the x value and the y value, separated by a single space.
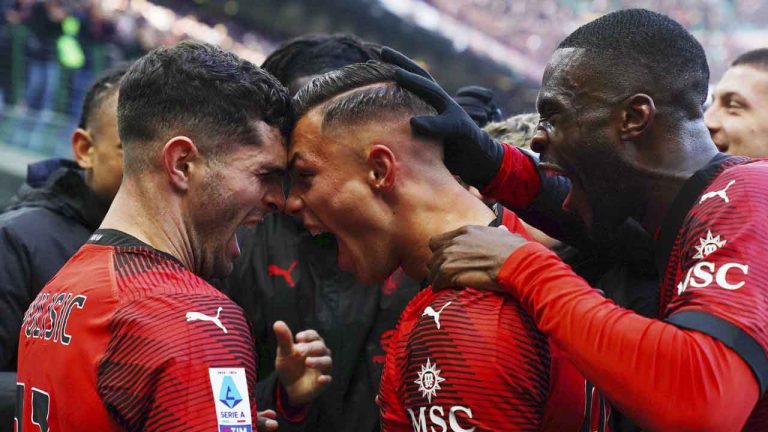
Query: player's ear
pixel 82 147
pixel 381 168
pixel 638 112
pixel 180 157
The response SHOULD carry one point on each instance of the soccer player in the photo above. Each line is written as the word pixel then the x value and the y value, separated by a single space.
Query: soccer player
pixel 621 107
pixel 738 116
pixel 128 335
pixel 359 173
pixel 286 274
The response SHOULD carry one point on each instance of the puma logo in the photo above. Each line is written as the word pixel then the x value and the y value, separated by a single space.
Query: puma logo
pixel 197 316
pixel 436 315
pixel 720 193
pixel 274 270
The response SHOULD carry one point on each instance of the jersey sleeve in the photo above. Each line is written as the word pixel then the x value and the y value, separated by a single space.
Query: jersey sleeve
pixel 178 363
pixel 640 364
pixel 517 182
pixel 723 277
pixel 391 408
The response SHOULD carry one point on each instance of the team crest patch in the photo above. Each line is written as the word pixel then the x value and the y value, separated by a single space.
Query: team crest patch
pixel 230 396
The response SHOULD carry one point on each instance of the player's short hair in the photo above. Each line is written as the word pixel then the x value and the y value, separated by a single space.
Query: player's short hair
pixel 349 97
pixel 643 51
pixel 104 87
pixel 516 130
pixel 316 54
pixel 756 58
pixel 200 91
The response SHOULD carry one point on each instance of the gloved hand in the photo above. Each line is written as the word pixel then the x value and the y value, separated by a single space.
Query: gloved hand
pixel 470 152
pixel 478 103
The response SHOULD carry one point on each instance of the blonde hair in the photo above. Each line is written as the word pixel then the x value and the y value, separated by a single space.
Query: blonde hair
pixel 516 130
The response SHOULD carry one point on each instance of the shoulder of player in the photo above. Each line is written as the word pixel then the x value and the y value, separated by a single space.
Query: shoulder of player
pixel 737 187
pixel 181 314
pixel 747 177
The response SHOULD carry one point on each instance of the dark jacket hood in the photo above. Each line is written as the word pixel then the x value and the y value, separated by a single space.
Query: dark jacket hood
pixel 58 185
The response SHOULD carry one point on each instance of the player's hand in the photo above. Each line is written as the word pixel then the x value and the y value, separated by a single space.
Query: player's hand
pixel 470 152
pixel 471 256
pixel 303 365
pixel 266 420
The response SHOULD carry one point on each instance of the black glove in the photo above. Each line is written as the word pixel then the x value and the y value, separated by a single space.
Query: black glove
pixel 469 152
pixel 478 103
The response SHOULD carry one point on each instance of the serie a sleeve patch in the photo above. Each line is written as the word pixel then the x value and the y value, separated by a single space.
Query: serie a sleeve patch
pixel 230 397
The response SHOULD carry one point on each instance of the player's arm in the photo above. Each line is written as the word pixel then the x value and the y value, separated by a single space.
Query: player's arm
pixel 641 364
pixel 165 370
pixel 391 409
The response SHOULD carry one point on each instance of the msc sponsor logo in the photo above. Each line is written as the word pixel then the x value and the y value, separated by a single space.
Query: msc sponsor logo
pixel 435 418
pixel 708 245
pixel 727 276
pixel 429 380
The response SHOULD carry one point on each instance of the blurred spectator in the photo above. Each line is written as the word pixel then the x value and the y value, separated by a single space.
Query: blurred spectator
pixel 738 115
pixel 43 22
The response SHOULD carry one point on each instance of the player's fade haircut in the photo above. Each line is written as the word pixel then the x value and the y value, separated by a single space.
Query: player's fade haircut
pixel 200 91
pixel 315 54
pixel 350 96
pixel 104 87
pixel 641 51
pixel 516 130
pixel 756 58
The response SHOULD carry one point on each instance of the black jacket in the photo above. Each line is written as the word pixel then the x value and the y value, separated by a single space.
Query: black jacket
pixel 51 216
pixel 286 274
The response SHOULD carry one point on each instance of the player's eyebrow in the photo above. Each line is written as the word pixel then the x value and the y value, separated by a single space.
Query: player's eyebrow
pixel 547 104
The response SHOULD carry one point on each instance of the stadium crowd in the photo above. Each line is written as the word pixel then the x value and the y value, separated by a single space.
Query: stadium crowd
pixel 331 242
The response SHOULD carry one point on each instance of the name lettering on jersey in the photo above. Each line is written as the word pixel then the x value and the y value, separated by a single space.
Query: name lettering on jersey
pixel 48 316
pixel 430 418
pixel 708 245
pixel 197 316
pixel 722 193
pixel 230 396
pixel 435 314
pixel 429 380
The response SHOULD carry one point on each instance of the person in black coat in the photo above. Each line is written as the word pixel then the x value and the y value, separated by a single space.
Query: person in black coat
pixel 51 216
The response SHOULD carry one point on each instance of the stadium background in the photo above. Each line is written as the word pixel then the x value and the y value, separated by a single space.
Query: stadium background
pixel 50 50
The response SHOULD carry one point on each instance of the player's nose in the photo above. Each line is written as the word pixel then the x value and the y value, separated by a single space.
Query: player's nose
pixel 293 204
pixel 274 199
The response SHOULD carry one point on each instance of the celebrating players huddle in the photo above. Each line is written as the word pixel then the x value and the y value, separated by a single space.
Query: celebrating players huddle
pixel 502 336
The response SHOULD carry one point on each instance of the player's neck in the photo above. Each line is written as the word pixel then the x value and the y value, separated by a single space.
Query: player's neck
pixel 134 212
pixel 675 160
pixel 433 211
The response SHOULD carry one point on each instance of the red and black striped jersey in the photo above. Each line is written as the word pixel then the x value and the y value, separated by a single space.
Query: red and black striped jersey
pixel 716 281
pixel 125 338
pixel 469 360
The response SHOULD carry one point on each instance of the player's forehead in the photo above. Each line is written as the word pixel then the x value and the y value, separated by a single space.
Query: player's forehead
pixel 308 143
pixel 269 152
pixel 744 80
pixel 564 77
